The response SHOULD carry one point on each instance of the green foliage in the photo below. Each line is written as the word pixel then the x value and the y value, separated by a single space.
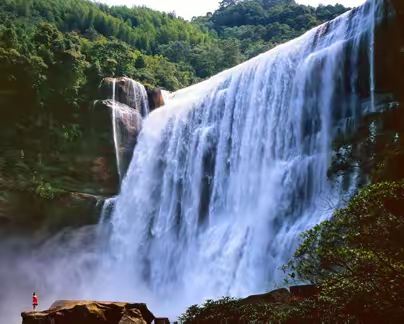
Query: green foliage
pixel 246 28
pixel 44 189
pixel 357 258
pixel 230 310
pixel 263 24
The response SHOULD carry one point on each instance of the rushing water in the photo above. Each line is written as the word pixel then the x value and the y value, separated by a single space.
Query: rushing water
pixel 223 180
pixel 167 96
pixel 227 175
pixel 115 131
pixel 138 98
pixel 125 118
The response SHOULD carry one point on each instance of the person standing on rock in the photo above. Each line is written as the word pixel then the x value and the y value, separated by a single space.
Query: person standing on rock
pixel 34 301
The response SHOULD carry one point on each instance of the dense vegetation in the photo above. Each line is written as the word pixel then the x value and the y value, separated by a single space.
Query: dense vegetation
pixel 185 51
pixel 256 26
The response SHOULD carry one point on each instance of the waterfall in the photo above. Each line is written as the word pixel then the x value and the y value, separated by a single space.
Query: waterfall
pixel 225 178
pixel 222 181
pixel 115 131
pixel 166 96
pixel 138 99
pixel 125 121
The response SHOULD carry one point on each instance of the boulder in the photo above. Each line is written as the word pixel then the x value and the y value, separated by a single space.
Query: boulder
pixel 155 97
pixel 127 91
pixel 132 316
pixel 279 296
pixel 161 320
pixel 91 312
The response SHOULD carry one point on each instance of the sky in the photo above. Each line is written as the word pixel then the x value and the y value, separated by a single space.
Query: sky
pixel 189 8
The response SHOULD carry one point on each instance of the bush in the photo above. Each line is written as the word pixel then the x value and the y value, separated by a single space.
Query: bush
pixel 357 258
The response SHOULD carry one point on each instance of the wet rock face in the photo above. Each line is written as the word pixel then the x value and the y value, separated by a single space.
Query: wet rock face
pixel 116 127
pixel 155 97
pixel 122 89
pixel 130 93
pixel 91 312
pixel 127 91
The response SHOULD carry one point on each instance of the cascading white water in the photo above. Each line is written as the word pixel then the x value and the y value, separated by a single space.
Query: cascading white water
pixel 223 180
pixel 225 177
pixel 166 96
pixel 139 99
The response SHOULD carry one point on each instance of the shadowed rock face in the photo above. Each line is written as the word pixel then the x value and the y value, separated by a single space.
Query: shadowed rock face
pixel 124 93
pixel 155 97
pixel 128 124
pixel 127 91
pixel 91 312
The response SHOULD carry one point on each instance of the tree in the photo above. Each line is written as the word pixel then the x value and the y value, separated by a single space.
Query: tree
pixel 357 258
pixel 226 3
pixel 140 62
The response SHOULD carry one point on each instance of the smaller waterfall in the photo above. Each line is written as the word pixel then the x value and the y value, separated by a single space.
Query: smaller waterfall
pixel 138 99
pixel 107 209
pixel 114 127
pixel 128 109
pixel 167 96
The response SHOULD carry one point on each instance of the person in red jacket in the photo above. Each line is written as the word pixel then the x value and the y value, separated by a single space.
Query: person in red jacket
pixel 34 301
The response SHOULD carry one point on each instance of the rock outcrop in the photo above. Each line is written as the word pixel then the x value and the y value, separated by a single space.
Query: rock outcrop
pixel 132 94
pixel 115 124
pixel 127 91
pixel 91 312
pixel 279 296
pixel 155 96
